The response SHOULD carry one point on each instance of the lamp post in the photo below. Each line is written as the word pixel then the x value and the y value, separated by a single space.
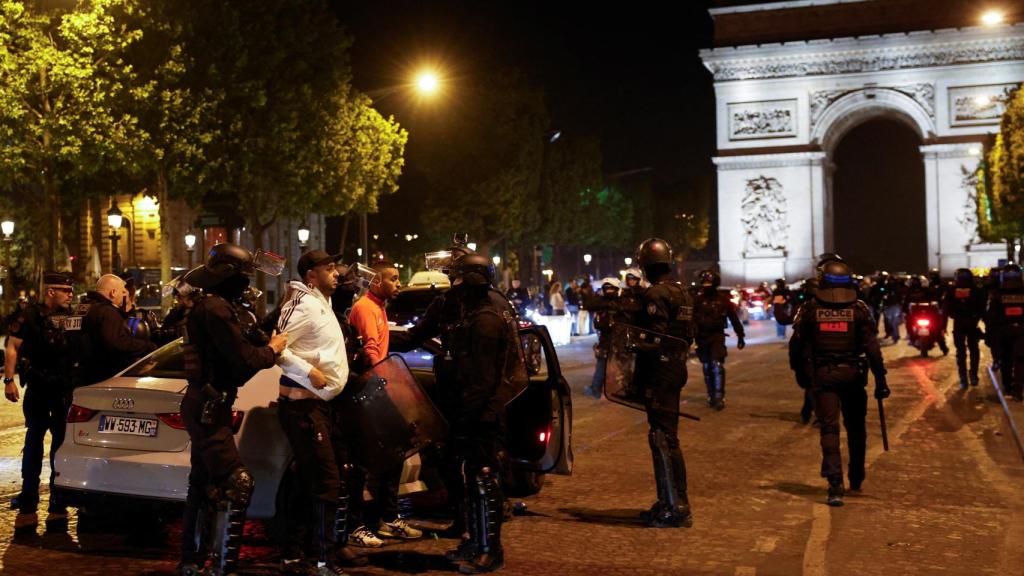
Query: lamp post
pixel 628 261
pixel 114 220
pixel 190 247
pixel 303 237
pixel 7 227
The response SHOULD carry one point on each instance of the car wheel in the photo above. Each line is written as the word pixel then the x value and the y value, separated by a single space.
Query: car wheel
pixel 523 483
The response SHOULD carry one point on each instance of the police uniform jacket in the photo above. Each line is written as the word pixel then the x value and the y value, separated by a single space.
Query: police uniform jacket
pixel 829 337
pixel 1005 317
pixel 965 306
pixel 710 312
pixel 226 358
pixel 111 346
pixel 44 346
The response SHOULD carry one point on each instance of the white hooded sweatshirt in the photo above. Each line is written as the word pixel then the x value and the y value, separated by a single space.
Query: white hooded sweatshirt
pixel 314 340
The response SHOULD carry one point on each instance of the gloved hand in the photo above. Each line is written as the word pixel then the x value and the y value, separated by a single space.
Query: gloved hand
pixel 881 389
pixel 741 343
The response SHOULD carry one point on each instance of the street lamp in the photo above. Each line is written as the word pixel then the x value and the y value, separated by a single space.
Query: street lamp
pixel 303 237
pixel 992 18
pixel 496 260
pixel 114 219
pixel 190 247
pixel 627 260
pixel 427 83
pixel 7 227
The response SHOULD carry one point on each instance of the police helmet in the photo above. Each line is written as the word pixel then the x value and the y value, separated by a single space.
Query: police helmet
pixel 934 276
pixel 653 251
pixel 826 258
pixel 473 269
pixel 634 274
pixel 709 279
pixel 836 284
pixel 1010 278
pixel 224 261
pixel 916 281
pixel 964 277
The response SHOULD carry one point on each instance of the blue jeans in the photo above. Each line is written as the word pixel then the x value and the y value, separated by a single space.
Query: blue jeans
pixel 597 382
pixel 780 330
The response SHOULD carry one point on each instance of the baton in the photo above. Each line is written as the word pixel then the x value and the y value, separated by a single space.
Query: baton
pixel 881 420
pixel 1006 411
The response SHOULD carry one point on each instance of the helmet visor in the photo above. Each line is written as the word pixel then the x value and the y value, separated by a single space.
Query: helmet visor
pixel 268 263
pixel 364 278
pixel 438 261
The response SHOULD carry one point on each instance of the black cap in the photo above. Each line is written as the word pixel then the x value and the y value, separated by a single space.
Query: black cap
pixel 57 279
pixel 314 258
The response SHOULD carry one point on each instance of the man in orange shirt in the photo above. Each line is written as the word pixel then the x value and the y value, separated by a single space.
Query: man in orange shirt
pixel 370 320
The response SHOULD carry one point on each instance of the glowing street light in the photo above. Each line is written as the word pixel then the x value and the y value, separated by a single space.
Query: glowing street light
pixel 496 260
pixel 587 258
pixel 427 82
pixel 992 18
pixel 7 227
pixel 190 246
pixel 303 234
pixel 627 260
pixel 114 219
pixel 549 273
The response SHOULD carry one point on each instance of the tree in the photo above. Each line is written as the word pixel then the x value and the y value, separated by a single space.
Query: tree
pixel 484 165
pixel 1001 179
pixel 62 76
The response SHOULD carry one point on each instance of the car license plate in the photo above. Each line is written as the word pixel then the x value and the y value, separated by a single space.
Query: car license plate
pixel 923 332
pixel 124 425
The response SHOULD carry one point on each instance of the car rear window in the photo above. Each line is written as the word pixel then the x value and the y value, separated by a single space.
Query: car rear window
pixel 167 362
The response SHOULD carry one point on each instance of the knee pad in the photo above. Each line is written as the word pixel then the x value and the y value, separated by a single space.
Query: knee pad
pixel 237 489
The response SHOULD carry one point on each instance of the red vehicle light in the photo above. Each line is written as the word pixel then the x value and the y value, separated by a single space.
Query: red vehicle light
pixel 236 420
pixel 924 322
pixel 78 414
pixel 172 419
pixel 543 437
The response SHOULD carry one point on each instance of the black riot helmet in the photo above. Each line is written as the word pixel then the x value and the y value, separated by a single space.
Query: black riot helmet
pixel 654 257
pixel 473 269
pixel 826 258
pixel 934 276
pixel 916 281
pixel 709 279
pixel 836 284
pixel 224 261
pixel 1010 278
pixel 964 278
pixel 780 283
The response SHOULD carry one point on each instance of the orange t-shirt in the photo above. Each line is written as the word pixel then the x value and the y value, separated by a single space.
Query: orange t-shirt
pixel 370 321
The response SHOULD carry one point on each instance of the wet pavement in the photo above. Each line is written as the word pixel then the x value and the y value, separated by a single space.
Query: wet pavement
pixel 944 500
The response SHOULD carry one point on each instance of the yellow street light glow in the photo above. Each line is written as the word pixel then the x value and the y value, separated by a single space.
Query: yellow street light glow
pixel 427 82
pixel 992 18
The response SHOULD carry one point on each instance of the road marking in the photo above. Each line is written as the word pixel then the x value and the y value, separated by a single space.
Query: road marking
pixel 817 541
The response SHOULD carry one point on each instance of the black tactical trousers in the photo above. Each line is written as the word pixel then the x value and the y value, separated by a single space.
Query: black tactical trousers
pixel 841 390
pixel 966 339
pixel 1011 363
pixel 46 408
pixel 308 425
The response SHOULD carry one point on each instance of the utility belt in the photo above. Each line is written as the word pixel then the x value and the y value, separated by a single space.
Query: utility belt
pixel 214 401
pixel 858 362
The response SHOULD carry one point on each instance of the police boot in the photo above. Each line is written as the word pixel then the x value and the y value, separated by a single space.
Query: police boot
pixel 466 549
pixel 343 554
pixel 188 569
pixel 975 360
pixel 683 513
pixel 962 371
pixel 228 524
pixel 942 345
pixel 667 515
pixel 488 517
pixel 835 491
pixel 660 483
pixel 709 382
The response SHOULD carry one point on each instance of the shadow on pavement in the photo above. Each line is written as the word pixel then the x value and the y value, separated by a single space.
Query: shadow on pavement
pixel 785 416
pixel 796 489
pixel 410 562
pixel 617 517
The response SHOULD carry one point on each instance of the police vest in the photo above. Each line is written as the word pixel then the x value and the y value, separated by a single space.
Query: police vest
pixel 834 330
pixel 1012 304
pixel 514 378
pixel 709 313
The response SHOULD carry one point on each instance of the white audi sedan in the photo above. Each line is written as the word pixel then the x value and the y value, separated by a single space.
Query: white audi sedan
pixel 126 443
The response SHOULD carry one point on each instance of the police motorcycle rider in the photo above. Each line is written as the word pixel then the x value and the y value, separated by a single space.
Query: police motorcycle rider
pixel 223 349
pixel 964 303
pixel 711 309
pixel 604 317
pixel 832 335
pixel 666 309
pixel 41 345
pixel 1004 330
pixel 918 292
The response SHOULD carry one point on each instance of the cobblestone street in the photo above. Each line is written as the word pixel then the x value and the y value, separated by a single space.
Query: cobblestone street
pixel 946 499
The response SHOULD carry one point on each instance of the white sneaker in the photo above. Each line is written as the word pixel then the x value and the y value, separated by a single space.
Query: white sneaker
pixel 363 538
pixel 399 529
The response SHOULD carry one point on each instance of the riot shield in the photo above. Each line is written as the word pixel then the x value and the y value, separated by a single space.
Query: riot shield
pixel 389 416
pixel 626 379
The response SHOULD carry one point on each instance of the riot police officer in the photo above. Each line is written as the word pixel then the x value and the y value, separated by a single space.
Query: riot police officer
pixel 488 372
pixel 221 354
pixel 1004 323
pixel 831 335
pixel 666 309
pixel 711 309
pixel 603 311
pixel 964 303
pixel 39 344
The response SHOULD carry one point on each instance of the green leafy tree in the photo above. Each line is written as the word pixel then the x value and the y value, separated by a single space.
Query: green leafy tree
pixel 1001 178
pixel 63 81
pixel 484 164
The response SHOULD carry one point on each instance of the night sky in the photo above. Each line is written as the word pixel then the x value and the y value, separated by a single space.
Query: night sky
pixel 630 76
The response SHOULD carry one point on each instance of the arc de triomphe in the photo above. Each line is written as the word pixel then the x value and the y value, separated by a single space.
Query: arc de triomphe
pixel 783 108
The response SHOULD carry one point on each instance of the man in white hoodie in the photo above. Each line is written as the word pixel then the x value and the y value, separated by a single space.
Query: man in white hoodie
pixel 315 370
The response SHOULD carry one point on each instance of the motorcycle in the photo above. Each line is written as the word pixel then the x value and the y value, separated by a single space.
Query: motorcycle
pixel 924 326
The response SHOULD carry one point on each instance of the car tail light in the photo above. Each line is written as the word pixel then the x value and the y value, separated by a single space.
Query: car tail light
pixel 236 420
pixel 924 322
pixel 544 436
pixel 172 419
pixel 79 414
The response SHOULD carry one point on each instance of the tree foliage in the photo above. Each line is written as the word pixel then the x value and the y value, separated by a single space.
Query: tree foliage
pixel 1001 178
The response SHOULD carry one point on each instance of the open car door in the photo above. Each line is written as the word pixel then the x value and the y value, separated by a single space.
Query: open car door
pixel 539 431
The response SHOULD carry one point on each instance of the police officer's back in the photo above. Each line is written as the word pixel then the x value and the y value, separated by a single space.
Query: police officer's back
pixel 964 304
pixel 1004 323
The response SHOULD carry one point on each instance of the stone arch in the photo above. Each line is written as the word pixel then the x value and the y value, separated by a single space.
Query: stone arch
pixel 861 105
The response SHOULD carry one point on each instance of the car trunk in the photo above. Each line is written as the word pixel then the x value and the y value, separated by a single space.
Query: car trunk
pixel 130 414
